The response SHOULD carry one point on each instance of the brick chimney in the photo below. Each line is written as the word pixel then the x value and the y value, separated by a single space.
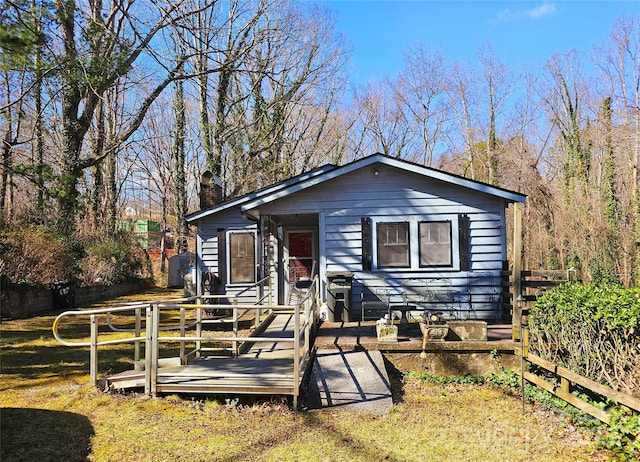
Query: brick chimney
pixel 210 191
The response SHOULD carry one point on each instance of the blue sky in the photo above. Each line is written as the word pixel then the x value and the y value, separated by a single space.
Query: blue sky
pixel 522 33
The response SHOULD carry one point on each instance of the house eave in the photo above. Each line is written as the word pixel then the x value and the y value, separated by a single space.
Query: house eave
pixel 509 196
pixel 274 188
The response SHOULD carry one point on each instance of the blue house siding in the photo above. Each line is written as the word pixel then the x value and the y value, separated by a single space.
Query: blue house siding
pixel 402 197
pixel 208 249
pixel 384 190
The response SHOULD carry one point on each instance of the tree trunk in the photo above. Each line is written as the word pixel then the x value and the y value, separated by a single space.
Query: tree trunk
pixel 180 180
pixel 5 199
pixel 97 196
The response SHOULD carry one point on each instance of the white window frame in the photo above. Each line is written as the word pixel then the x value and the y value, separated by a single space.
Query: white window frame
pixel 450 246
pixel 414 242
pixel 408 243
pixel 255 256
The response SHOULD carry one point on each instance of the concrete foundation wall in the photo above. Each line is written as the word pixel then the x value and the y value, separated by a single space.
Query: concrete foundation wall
pixel 449 363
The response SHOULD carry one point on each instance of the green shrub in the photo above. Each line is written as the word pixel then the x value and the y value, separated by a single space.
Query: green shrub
pixel 35 256
pixel 622 436
pixel 592 329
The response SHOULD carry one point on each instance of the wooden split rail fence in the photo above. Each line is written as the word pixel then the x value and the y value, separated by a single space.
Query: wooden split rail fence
pixel 558 380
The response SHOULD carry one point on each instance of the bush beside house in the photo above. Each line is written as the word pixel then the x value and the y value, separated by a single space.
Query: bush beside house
pixel 41 271
pixel 593 330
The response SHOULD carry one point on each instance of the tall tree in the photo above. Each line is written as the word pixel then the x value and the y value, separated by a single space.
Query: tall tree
pixel 609 194
pixel 234 44
pixel 619 62
pixel 93 48
pixel 422 88
pixel 21 42
pixel 292 78
pixel 463 100
pixel 498 89
pixel 564 103
pixel 381 120
pixel 278 82
pixel 178 154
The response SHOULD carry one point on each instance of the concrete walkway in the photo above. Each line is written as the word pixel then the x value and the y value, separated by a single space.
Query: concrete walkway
pixel 350 380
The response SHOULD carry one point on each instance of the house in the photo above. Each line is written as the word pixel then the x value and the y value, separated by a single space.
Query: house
pixel 369 229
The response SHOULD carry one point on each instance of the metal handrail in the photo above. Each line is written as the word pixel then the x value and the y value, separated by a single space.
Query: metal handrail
pixel 308 308
pixel 93 342
pixel 138 305
pixel 255 284
pixel 95 312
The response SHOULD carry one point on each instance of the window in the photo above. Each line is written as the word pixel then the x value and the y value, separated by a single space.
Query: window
pixel 242 257
pixel 431 242
pixel 392 241
pixel 435 243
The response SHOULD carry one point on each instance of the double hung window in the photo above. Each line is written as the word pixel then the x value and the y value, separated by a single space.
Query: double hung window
pixel 242 257
pixel 435 243
pixel 393 245
pixel 415 244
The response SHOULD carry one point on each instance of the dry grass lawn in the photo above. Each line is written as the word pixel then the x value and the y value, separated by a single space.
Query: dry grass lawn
pixel 50 413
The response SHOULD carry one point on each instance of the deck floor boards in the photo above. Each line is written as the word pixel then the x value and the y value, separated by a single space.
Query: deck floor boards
pixel 266 367
pixel 362 335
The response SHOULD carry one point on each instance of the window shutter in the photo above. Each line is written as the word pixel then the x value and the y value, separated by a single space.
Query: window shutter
pixel 222 256
pixel 464 235
pixel 366 244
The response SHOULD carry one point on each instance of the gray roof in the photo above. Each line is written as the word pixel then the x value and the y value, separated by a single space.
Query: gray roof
pixel 328 172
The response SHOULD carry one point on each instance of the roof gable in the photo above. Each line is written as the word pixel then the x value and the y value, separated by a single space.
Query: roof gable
pixel 329 172
pixel 271 189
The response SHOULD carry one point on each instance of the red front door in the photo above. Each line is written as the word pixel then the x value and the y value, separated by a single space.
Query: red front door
pixel 300 246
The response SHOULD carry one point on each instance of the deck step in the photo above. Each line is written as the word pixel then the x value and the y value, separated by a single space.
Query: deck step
pixel 162 362
pixel 124 380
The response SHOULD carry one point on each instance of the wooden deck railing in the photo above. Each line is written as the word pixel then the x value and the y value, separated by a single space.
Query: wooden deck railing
pixel 149 319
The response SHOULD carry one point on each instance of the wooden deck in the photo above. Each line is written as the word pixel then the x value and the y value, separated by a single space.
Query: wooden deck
pixel 264 368
pixel 362 336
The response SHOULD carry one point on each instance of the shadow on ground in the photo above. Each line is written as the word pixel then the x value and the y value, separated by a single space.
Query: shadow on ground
pixel 43 435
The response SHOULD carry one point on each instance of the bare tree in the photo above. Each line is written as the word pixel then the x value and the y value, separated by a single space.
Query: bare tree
pixel 422 88
pixel 93 48
pixel 566 102
pixel 278 84
pixel 294 78
pixel 382 121
pixel 498 89
pixel 463 100
pixel 147 159
pixel 619 63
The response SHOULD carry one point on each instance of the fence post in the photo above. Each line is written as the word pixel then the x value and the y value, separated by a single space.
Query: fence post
pixel 148 347
pixel 138 328
pixel 259 295
pixel 296 356
pixel 308 319
pixel 183 356
pixel 235 327
pixel 93 361
pixel 517 270
pixel 155 347
pixel 199 331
